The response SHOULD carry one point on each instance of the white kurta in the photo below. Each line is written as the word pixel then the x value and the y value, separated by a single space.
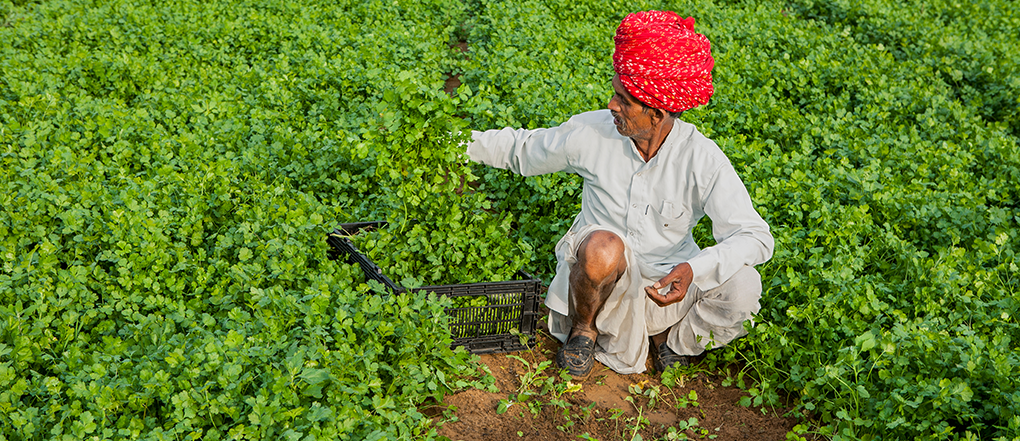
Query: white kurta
pixel 653 206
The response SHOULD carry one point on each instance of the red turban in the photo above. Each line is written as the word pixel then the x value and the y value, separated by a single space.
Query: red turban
pixel 662 61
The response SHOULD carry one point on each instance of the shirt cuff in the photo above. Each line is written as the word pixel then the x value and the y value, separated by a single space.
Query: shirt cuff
pixel 705 271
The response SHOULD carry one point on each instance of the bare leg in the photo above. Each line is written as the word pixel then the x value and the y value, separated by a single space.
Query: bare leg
pixel 600 264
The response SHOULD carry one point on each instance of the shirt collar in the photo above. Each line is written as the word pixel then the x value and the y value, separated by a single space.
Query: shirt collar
pixel 677 134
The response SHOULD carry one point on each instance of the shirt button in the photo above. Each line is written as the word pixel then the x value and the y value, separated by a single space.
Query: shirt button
pixel 633 206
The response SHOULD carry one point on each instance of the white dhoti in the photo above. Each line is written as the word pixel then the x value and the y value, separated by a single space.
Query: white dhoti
pixel 703 319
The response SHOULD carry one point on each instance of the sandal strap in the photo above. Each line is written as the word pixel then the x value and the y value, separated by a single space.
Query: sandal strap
pixel 579 343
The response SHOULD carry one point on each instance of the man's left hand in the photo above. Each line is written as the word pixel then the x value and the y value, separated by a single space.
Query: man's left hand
pixel 678 281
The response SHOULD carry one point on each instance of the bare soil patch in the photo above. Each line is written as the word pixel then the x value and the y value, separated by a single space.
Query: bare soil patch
pixel 601 410
pixel 453 80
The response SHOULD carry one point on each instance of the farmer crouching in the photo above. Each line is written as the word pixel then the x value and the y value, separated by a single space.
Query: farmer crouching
pixel 629 273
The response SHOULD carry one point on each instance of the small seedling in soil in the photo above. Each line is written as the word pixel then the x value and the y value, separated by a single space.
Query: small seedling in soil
pixel 536 383
pixel 651 393
pixel 642 389
pixel 691 399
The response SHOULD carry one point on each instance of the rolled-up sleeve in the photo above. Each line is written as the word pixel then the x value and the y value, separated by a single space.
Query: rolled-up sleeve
pixel 742 236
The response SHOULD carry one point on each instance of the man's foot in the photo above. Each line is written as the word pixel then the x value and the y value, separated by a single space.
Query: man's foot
pixel 667 358
pixel 577 356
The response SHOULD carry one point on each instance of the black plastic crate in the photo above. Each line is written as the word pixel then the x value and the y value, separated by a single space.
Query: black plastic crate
pixel 480 329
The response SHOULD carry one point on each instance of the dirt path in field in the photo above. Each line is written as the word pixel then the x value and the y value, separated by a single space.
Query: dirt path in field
pixel 600 408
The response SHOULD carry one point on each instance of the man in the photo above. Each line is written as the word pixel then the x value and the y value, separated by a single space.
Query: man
pixel 628 269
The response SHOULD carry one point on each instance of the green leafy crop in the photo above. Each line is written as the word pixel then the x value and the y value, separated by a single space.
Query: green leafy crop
pixel 169 172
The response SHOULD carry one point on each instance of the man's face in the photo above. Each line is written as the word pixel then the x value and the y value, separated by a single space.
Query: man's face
pixel 631 118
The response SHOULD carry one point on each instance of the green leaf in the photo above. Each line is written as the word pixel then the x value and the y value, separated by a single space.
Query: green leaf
pixel 503 406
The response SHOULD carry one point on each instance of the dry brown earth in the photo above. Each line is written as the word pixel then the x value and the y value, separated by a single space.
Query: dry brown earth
pixel 601 410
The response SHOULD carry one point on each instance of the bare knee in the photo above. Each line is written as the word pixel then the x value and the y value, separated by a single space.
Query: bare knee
pixel 601 256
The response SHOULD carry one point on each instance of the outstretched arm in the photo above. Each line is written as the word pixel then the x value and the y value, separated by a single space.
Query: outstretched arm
pixel 522 151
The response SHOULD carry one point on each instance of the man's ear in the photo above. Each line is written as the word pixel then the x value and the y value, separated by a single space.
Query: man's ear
pixel 658 115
